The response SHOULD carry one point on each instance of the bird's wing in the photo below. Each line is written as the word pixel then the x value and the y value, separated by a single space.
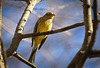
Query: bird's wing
pixel 35 30
pixel 32 56
pixel 42 42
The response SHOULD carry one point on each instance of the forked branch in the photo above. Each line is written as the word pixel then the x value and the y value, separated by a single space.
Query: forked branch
pixel 20 27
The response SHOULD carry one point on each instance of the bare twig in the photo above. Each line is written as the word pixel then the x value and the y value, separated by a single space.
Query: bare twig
pixel 23 60
pixel 7 29
pixel 66 32
pixel 12 33
pixel 19 30
pixel 52 31
pixel 94 54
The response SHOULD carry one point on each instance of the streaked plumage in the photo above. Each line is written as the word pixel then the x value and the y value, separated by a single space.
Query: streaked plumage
pixel 43 24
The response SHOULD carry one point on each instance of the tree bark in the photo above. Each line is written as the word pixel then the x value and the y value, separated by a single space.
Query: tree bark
pixel 2 64
pixel 20 27
pixel 82 54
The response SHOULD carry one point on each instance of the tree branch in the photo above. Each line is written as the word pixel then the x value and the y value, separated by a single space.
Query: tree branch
pixel 95 28
pixel 81 56
pixel 27 1
pixel 94 53
pixel 3 54
pixel 20 27
pixel 52 31
pixel 95 24
pixel 23 60
pixel 2 49
pixel 94 34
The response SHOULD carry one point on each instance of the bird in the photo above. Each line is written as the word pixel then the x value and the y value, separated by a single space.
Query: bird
pixel 43 24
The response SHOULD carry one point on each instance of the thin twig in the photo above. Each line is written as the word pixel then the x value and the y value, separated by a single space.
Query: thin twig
pixel 7 29
pixel 52 31
pixel 94 54
pixel 23 60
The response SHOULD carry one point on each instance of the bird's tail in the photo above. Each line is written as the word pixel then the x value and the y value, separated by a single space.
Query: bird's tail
pixel 32 56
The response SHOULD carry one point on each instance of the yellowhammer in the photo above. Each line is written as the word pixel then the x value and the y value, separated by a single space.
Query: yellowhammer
pixel 43 24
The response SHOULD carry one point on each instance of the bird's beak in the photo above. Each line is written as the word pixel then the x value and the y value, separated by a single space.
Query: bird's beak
pixel 53 14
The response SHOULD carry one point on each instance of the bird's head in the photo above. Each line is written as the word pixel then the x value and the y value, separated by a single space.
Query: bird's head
pixel 49 15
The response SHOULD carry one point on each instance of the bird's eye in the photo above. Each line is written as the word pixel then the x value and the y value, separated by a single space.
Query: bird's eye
pixel 48 13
